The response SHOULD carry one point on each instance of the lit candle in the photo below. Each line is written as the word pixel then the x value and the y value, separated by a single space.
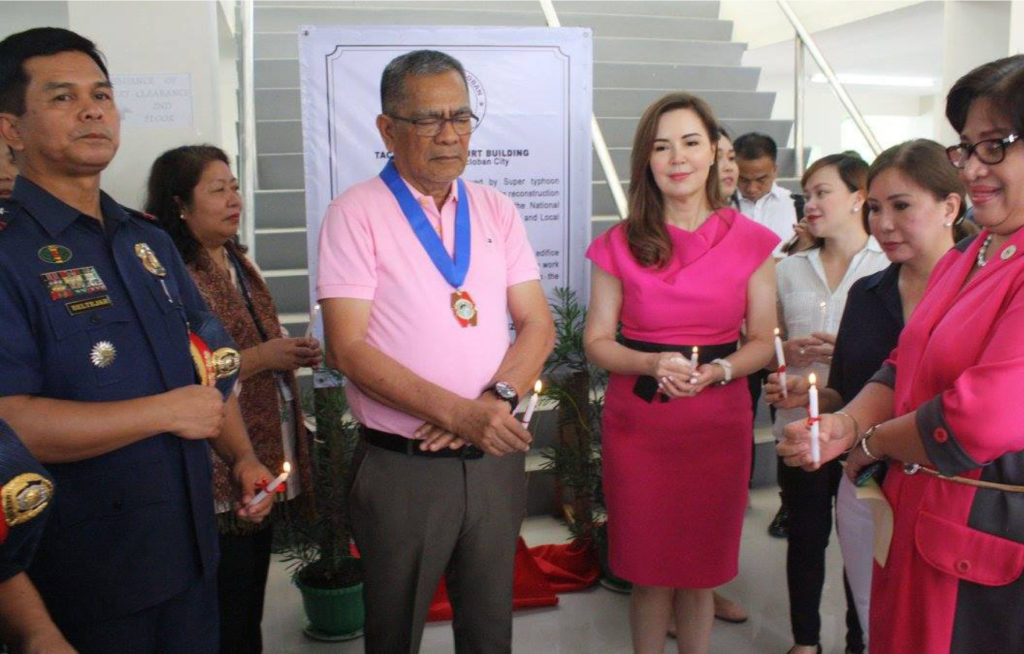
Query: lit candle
pixel 693 365
pixel 813 409
pixel 273 486
pixel 782 362
pixel 532 405
pixel 313 314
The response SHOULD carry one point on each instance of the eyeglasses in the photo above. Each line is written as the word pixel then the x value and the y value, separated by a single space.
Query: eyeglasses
pixel 989 151
pixel 463 124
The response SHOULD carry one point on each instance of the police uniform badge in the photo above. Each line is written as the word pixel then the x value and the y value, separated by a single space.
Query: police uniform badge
pixel 25 497
pixel 212 365
pixel 54 253
pixel 26 492
pixel 149 260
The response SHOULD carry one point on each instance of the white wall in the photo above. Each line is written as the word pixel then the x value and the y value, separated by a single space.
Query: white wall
pixel 758 22
pixel 157 37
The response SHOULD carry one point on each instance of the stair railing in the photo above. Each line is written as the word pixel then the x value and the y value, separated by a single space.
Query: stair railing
pixel 804 41
pixel 247 137
pixel 597 137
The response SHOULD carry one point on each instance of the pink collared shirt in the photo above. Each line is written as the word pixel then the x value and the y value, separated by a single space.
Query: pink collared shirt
pixel 368 251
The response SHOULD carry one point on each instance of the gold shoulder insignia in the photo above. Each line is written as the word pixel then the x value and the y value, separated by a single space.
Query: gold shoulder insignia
pixel 25 497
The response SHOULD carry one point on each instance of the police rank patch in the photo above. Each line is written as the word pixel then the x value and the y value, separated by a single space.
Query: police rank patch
pixel 54 254
pixel 25 497
pixel 81 306
pixel 73 281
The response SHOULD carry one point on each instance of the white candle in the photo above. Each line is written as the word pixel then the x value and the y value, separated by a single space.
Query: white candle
pixel 693 365
pixel 815 428
pixel 782 362
pixel 532 405
pixel 278 480
pixel 313 314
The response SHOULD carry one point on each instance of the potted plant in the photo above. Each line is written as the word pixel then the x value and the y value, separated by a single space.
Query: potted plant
pixel 578 388
pixel 318 547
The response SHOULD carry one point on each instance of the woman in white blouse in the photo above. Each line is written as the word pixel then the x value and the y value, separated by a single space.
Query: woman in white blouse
pixel 812 294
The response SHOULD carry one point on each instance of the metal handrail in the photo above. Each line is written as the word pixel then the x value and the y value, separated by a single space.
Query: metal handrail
pixel 804 37
pixel 247 140
pixel 604 157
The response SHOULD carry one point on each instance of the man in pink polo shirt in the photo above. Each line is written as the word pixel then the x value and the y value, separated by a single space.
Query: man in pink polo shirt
pixel 419 273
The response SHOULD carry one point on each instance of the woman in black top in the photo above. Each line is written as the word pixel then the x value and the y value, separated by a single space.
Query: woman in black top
pixel 914 209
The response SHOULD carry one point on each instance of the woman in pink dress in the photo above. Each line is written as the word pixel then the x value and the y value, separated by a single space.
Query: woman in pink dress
pixel 680 275
pixel 944 410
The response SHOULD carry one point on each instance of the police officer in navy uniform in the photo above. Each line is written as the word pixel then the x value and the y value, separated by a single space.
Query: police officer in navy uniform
pixel 25 493
pixel 96 374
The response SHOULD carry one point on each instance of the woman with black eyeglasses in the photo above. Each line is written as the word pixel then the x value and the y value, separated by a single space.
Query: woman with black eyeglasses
pixel 944 415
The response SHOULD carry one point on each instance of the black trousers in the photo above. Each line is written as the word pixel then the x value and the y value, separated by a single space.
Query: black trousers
pixel 242 583
pixel 810 497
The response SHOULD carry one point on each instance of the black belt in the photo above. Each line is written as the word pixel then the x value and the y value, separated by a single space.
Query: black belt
pixel 411 446
pixel 646 387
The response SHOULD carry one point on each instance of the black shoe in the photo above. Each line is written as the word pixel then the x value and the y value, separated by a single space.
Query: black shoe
pixel 779 528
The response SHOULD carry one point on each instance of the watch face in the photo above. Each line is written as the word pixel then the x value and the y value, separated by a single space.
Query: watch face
pixel 505 391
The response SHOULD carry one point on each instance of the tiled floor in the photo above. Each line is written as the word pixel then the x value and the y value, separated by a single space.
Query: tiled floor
pixel 595 621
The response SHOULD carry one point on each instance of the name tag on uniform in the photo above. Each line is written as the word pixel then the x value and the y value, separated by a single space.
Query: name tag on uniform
pixel 72 282
pixel 81 306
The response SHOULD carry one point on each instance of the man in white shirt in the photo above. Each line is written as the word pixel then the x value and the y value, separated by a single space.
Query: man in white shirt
pixel 761 199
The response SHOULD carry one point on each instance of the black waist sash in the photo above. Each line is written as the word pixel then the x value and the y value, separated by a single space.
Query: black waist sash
pixel 646 387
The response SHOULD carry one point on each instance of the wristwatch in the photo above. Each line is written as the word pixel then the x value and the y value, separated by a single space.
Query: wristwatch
pixel 507 392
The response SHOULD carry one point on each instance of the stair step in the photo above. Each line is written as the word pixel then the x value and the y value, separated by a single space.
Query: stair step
pixel 280 209
pixel 278 136
pixel 628 103
pixel 290 292
pixel 285 251
pixel 671 50
pixel 660 27
pixel 284 73
pixel 288 18
pixel 691 8
pixel 618 132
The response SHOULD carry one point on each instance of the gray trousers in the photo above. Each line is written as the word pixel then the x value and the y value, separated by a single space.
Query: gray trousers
pixel 415 519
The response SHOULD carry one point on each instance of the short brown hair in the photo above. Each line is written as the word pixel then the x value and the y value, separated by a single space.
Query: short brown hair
pixel 646 233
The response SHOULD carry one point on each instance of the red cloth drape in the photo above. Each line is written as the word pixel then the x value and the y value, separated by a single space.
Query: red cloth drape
pixel 540 573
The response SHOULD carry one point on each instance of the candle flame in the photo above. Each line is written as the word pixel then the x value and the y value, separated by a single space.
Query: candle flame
pixel 537 386
pixel 695 349
pixel 776 331
pixel 287 467
pixel 812 379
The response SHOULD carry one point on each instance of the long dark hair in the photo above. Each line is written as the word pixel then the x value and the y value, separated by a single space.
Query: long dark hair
pixel 923 162
pixel 172 181
pixel 646 233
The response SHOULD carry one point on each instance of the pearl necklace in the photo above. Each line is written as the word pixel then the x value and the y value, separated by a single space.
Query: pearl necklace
pixel 984 248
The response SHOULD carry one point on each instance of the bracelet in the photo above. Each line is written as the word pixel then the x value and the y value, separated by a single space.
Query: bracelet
pixel 864 444
pixel 727 367
pixel 856 429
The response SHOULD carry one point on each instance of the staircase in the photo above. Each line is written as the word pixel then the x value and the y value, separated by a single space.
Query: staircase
pixel 642 50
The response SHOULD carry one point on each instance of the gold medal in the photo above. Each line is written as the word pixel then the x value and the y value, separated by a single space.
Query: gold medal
pixel 464 308
pixel 25 497
pixel 149 260
pixel 103 354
